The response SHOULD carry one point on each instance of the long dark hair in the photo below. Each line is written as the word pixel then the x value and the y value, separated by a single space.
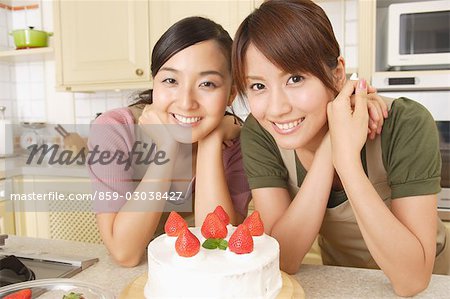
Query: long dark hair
pixel 295 35
pixel 185 33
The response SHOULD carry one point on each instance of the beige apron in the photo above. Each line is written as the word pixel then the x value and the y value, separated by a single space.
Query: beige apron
pixel 340 239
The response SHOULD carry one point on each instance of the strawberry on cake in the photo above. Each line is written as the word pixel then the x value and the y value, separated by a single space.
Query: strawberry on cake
pixel 214 261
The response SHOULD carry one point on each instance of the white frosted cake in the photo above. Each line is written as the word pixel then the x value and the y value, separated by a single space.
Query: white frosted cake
pixel 213 273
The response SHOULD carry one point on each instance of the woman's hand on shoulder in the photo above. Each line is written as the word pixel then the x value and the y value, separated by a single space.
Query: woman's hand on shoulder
pixel 347 124
pixel 378 109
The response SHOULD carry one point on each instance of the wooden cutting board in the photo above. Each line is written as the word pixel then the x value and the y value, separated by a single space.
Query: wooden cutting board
pixel 291 288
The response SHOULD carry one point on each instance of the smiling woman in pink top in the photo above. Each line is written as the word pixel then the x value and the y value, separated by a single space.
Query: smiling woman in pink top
pixel 184 118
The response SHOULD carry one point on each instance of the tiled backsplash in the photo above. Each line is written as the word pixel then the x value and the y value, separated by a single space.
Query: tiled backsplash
pixel 6 90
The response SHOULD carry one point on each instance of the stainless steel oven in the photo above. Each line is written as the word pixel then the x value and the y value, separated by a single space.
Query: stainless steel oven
pixel 438 103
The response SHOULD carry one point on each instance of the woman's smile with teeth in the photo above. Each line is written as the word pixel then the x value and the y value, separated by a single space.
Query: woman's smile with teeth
pixel 185 119
pixel 289 125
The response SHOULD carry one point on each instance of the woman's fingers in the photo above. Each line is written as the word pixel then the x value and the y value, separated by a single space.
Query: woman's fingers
pixel 376 116
pixel 347 91
pixel 381 109
pixel 374 113
pixel 361 99
pixel 381 103
pixel 371 89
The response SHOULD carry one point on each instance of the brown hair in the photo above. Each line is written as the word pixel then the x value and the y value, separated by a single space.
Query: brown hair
pixel 295 35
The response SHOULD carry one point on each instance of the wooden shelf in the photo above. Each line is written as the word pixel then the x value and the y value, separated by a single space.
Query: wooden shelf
pixel 26 54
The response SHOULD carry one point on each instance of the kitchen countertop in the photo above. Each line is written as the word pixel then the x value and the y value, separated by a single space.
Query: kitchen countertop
pixel 15 166
pixel 318 281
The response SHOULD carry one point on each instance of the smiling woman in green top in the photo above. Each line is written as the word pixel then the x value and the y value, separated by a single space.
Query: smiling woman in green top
pixel 312 169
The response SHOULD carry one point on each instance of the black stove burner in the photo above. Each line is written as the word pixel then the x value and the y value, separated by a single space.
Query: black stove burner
pixel 12 270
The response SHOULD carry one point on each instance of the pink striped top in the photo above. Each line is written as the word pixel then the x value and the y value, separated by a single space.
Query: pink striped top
pixel 114 130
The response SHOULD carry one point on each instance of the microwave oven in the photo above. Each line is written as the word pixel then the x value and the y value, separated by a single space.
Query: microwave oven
pixel 419 34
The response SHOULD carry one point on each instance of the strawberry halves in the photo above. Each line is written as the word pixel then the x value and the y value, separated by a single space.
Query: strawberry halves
pixel 241 241
pixel 187 244
pixel 174 224
pixel 213 227
pixel 254 224
pixel 219 211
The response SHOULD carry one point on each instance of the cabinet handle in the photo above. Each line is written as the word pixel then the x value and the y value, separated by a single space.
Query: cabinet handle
pixel 139 72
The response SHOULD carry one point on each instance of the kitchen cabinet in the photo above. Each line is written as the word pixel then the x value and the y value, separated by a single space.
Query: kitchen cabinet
pixel 6 218
pixel 229 14
pixel 102 44
pixel 107 45
pixel 68 219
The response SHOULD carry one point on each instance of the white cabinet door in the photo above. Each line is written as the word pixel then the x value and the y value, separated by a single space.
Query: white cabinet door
pixel 6 218
pixel 102 42
pixel 229 14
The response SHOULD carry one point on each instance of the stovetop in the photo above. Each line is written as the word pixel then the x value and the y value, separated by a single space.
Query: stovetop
pixel 43 265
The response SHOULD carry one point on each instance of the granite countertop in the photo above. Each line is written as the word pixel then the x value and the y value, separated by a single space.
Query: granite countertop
pixel 320 281
pixel 317 281
pixel 15 166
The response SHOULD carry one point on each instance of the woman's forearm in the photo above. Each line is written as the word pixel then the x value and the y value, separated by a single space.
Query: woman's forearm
pixel 127 233
pixel 397 250
pixel 211 187
pixel 297 229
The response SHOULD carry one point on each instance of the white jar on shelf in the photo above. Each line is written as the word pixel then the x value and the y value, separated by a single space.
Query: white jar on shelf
pixel 6 134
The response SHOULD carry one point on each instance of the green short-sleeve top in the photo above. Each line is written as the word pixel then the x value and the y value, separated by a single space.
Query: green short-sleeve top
pixel 409 144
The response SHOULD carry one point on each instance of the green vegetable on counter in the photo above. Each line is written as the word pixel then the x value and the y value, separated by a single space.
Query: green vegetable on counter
pixel 73 295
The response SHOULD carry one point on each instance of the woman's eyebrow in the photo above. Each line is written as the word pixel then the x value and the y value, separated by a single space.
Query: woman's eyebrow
pixel 169 69
pixel 254 77
pixel 204 73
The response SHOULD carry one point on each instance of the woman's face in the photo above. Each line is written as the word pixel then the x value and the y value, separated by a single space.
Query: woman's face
pixel 291 107
pixel 192 89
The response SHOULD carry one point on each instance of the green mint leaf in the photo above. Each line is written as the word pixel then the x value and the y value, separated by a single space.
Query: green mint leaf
pixel 210 243
pixel 223 244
